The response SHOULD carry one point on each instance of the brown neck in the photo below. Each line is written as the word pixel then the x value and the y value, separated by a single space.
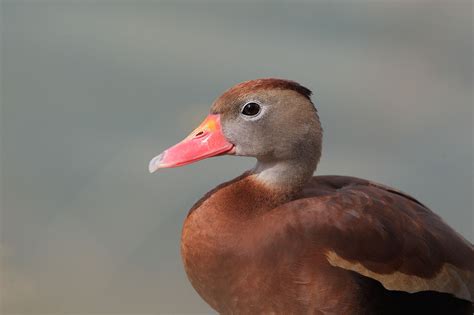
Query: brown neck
pixel 246 197
pixel 268 185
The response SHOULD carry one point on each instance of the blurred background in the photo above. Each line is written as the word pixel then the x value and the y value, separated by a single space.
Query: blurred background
pixel 92 90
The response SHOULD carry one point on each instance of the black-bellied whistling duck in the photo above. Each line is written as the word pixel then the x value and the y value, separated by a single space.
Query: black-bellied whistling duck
pixel 277 240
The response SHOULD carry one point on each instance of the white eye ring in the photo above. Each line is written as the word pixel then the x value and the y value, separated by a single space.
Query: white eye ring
pixel 247 110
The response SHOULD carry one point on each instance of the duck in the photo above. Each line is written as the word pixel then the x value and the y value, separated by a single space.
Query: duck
pixel 278 240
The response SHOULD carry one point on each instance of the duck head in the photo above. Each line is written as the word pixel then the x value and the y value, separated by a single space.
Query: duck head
pixel 270 119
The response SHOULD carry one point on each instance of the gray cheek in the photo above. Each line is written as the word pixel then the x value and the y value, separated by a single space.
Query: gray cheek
pixel 247 138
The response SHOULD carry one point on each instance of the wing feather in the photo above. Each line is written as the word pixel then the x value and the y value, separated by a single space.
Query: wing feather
pixel 386 235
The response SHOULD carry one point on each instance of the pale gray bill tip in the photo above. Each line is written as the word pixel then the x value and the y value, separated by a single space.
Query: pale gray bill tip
pixel 155 163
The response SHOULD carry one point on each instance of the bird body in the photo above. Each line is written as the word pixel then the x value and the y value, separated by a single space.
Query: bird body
pixel 322 251
pixel 277 240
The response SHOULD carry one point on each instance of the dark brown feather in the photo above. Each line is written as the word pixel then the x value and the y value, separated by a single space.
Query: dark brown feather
pixel 237 92
pixel 248 249
pixel 267 84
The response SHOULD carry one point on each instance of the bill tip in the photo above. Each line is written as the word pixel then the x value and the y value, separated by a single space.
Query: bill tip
pixel 155 163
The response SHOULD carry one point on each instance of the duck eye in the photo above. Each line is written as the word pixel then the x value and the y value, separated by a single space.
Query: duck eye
pixel 251 109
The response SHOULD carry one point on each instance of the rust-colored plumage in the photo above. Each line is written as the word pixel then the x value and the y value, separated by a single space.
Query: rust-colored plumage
pixel 242 90
pixel 277 261
pixel 266 84
pixel 277 240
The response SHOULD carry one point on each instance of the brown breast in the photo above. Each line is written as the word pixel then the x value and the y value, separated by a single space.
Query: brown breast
pixel 247 249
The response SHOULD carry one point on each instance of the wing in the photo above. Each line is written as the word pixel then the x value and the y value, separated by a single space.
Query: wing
pixel 384 234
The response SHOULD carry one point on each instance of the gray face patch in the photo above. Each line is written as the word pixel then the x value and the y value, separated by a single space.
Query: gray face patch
pixel 285 136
